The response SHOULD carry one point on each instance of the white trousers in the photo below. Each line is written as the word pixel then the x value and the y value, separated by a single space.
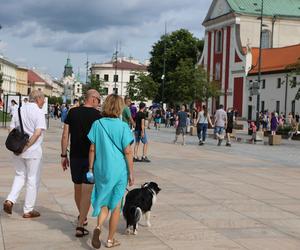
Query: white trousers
pixel 27 172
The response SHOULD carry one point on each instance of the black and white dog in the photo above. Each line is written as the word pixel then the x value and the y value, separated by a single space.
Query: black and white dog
pixel 139 202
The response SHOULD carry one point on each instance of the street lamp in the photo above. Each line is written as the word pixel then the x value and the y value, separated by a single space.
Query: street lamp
pixel 259 64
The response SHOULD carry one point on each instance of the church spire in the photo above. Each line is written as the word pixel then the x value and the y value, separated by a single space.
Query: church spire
pixel 68 67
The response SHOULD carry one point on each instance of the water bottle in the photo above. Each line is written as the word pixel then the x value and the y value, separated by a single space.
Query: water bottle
pixel 90 177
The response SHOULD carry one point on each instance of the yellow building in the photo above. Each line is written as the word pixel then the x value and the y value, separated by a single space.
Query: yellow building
pixel 22 81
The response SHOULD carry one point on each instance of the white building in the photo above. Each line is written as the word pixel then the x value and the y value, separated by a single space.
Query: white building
pixel 117 75
pixel 9 71
pixel 232 28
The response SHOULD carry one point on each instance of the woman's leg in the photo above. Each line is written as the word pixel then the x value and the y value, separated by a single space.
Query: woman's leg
pixel 113 222
pixel 102 216
pixel 204 131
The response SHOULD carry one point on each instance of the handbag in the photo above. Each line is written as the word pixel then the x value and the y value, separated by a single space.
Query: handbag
pixel 17 139
pixel 110 138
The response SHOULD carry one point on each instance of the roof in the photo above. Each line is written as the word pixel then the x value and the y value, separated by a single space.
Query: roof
pixel 34 77
pixel 123 65
pixel 290 8
pixel 275 59
pixel 68 64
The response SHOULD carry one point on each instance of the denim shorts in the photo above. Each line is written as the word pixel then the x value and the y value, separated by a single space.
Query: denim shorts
pixel 138 137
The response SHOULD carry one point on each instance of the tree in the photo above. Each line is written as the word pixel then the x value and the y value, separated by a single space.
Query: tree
pixel 1 79
pixel 142 88
pixel 295 71
pixel 180 45
pixel 95 83
pixel 189 82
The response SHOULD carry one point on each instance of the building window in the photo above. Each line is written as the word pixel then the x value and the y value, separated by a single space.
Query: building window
pixel 115 91
pixel 262 106
pixel 97 77
pixel 39 89
pixel 278 107
pixel 116 78
pixel 105 91
pixel 294 81
pixel 278 83
pixel 265 39
pixel 106 78
pixel 28 91
pixel 131 78
pixel 218 72
pixel 218 41
pixel 250 98
pixel 293 107
pixel 78 90
pixel 263 85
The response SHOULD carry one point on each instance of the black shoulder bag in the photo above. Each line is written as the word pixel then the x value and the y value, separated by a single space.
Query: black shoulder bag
pixel 17 139
pixel 111 138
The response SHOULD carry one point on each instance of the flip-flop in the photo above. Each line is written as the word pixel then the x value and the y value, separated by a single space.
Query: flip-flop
pixel 85 223
pixel 82 230
pixel 96 243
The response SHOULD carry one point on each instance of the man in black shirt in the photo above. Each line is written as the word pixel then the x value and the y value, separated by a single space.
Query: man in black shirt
pixel 140 134
pixel 77 125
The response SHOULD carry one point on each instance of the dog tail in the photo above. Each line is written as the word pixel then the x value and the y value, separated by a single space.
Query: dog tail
pixel 136 213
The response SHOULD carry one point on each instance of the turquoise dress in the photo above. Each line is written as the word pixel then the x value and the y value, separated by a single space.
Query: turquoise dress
pixel 110 166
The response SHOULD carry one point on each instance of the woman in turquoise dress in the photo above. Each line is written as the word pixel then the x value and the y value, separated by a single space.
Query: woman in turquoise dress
pixel 111 161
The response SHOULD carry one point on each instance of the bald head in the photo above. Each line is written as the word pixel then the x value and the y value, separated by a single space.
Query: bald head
pixel 92 98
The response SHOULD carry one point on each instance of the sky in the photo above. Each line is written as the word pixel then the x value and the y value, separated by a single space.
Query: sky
pixel 42 33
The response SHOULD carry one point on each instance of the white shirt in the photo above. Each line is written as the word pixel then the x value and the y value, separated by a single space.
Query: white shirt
pixel 33 118
pixel 202 117
pixel 220 118
pixel 13 109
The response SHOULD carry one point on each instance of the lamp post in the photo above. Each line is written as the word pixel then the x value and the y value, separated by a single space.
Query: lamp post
pixel 259 64
pixel 164 68
pixel 116 69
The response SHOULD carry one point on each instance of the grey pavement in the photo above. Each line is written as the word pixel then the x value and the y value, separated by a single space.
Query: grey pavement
pixel 243 197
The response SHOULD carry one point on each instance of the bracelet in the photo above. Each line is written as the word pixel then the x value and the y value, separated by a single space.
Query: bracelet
pixel 63 156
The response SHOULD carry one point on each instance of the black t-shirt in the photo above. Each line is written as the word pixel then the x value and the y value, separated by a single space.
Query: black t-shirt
pixel 182 117
pixel 138 120
pixel 230 116
pixel 80 121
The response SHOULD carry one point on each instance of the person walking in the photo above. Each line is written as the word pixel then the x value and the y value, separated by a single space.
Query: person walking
pixel 202 124
pixel 126 114
pixel 274 123
pixel 111 163
pixel 182 122
pixel 140 135
pixel 229 127
pixel 28 163
pixel 76 128
pixel 13 107
pixel 220 123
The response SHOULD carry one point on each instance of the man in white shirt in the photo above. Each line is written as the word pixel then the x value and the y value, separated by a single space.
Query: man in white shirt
pixel 28 163
pixel 220 123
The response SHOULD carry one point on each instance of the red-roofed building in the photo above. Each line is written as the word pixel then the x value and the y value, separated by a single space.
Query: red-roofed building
pixel 123 72
pixel 35 82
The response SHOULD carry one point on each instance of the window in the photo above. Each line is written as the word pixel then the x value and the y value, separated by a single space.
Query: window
pixel 278 83
pixel 106 78
pixel 116 78
pixel 39 89
pixel 131 78
pixel 294 81
pixel 262 106
pixel 218 72
pixel 115 91
pixel 263 85
pixel 97 77
pixel 278 107
pixel 293 106
pixel 250 98
pixel 78 90
pixel 218 41
pixel 105 91
pixel 28 91
pixel 265 39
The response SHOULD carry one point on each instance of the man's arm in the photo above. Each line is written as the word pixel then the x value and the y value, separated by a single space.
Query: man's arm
pixel 37 133
pixel 64 147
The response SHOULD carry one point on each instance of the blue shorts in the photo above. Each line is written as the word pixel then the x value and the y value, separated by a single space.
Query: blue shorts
pixel 139 138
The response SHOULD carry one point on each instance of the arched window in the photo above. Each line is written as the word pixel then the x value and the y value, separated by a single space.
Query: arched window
pixel 218 41
pixel 265 39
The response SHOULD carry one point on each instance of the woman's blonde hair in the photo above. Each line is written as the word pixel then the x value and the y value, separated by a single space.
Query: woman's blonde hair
pixel 113 106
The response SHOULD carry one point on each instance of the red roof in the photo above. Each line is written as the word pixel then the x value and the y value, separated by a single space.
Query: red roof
pixel 275 59
pixel 33 77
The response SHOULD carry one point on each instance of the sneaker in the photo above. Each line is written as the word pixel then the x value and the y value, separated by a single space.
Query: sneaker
pixel 145 159
pixel 228 144
pixel 219 142
pixel 200 142
pixel 135 159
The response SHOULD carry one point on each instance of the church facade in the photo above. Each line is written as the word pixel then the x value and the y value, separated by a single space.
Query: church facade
pixel 232 37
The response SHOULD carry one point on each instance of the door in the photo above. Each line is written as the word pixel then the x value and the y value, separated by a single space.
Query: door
pixel 250 112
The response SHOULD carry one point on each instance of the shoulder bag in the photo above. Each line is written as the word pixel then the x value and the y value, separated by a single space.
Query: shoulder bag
pixel 17 138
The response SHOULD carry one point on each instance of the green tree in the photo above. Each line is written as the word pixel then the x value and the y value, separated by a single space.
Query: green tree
pixel 189 82
pixel 143 87
pixel 180 45
pixel 1 79
pixel 94 83
pixel 295 71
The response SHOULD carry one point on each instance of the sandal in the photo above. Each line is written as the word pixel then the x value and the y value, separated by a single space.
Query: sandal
pixel 85 223
pixel 112 243
pixel 96 243
pixel 7 206
pixel 31 214
pixel 81 231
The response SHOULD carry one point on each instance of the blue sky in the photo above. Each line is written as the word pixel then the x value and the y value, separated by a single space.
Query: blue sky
pixel 41 34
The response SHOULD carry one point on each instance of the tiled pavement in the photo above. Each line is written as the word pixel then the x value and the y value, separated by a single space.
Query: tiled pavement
pixel 243 197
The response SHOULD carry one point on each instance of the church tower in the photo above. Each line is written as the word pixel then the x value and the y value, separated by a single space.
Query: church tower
pixel 68 68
